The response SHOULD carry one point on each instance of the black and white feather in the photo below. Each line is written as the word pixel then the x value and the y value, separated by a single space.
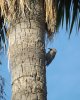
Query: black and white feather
pixel 50 56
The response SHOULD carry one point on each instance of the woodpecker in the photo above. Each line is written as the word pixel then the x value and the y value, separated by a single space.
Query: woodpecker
pixel 50 56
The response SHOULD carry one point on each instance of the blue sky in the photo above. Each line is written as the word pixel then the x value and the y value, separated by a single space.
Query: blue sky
pixel 63 74
pixel 5 73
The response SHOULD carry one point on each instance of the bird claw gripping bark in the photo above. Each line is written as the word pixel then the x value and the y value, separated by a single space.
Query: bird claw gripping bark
pixel 50 56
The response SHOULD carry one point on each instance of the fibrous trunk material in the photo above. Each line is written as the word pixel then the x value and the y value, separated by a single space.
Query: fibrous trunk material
pixel 27 56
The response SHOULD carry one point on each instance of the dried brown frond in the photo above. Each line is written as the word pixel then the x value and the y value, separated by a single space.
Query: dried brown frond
pixel 4 8
pixel 11 9
pixel 50 10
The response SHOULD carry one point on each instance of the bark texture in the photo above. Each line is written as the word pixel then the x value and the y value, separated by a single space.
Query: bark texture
pixel 27 55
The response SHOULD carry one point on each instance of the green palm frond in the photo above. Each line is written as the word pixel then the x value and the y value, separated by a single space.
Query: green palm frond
pixel 69 10
pixel 2 34
pixel 2 84
pixel 1 25
pixel 76 6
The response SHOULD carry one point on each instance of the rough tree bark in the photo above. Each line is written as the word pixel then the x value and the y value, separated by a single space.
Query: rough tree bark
pixel 27 55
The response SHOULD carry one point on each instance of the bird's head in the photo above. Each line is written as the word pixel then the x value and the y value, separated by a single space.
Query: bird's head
pixel 52 49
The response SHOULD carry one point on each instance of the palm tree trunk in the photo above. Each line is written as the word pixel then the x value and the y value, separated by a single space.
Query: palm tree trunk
pixel 27 56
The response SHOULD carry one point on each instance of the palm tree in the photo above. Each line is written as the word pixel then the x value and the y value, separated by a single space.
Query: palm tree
pixel 29 20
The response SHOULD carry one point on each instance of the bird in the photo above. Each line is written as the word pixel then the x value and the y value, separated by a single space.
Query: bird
pixel 50 56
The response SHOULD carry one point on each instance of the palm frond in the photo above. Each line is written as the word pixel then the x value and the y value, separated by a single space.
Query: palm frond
pixel 50 8
pixel 55 12
pixel 60 13
pixel 12 9
pixel 2 84
pixel 75 13
pixel 67 12
pixel 2 37
pixel 70 10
